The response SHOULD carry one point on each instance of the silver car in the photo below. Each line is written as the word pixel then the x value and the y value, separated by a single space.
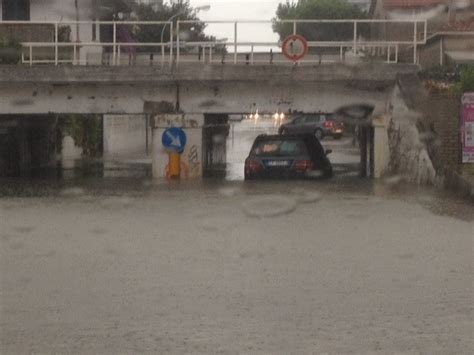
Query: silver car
pixel 321 125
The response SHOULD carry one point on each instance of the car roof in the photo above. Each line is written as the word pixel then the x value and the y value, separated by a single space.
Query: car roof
pixel 283 137
pixel 279 136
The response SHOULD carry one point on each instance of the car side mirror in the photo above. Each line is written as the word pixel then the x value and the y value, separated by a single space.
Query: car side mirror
pixel 328 151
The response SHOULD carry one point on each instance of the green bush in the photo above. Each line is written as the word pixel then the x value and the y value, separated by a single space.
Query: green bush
pixel 86 132
pixel 10 51
pixel 467 79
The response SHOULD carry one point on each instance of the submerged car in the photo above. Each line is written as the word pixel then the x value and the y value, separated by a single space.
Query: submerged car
pixel 321 125
pixel 287 156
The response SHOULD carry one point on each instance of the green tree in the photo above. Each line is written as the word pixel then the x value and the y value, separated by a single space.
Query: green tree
pixel 319 9
pixel 180 10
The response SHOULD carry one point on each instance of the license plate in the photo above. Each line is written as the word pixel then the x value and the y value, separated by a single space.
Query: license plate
pixel 277 163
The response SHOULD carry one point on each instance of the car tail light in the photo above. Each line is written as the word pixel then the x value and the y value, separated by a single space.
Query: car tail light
pixel 304 165
pixel 253 166
pixel 328 124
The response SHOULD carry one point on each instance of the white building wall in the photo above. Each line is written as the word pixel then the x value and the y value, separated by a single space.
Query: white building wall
pixel 64 11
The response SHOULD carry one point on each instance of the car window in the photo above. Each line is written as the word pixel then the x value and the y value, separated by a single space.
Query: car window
pixel 292 148
pixel 280 148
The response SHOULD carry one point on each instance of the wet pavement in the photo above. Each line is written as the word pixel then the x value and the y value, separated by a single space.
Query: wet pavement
pixel 127 264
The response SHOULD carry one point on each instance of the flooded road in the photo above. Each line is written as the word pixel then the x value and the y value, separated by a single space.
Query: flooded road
pixel 107 265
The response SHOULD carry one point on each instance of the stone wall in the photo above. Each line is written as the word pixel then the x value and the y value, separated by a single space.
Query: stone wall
pixel 441 128
pixel 409 156
pixel 424 132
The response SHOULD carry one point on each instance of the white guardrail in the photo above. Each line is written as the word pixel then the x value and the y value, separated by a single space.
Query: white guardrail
pixel 117 43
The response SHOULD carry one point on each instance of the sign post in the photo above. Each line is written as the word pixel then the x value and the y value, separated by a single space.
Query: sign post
pixel 174 140
pixel 467 129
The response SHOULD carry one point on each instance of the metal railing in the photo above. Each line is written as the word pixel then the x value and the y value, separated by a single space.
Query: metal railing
pixel 381 40
pixel 112 48
pixel 386 44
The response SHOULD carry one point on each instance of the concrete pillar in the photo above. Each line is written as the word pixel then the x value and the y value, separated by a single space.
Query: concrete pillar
pixel 363 151
pixel 24 147
pixel 191 158
pixel 381 149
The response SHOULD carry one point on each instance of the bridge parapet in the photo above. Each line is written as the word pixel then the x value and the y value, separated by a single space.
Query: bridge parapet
pixel 193 72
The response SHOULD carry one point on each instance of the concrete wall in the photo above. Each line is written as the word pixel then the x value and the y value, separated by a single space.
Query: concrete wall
pixel 193 97
pixel 272 96
pixel 126 134
pixel 82 99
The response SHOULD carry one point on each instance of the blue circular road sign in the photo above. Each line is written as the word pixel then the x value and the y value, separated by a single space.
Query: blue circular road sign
pixel 174 139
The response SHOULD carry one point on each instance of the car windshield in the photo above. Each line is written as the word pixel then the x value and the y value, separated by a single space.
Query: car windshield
pixel 280 148
pixel 263 177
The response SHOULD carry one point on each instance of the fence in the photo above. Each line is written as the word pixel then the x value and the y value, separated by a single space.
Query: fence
pixel 142 42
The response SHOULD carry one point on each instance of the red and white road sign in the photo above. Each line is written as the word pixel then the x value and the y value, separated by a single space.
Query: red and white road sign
pixel 467 128
pixel 295 47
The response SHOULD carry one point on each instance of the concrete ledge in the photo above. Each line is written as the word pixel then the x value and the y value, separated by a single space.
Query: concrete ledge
pixel 11 74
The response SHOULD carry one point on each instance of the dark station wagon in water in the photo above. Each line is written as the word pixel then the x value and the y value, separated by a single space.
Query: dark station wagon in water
pixel 287 156
pixel 320 124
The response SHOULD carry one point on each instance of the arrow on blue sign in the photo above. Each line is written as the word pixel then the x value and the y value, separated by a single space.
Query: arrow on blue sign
pixel 174 139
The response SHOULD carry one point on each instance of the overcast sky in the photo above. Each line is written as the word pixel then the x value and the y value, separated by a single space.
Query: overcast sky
pixel 240 10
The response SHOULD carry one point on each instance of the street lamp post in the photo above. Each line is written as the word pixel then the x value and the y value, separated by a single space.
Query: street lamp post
pixel 197 9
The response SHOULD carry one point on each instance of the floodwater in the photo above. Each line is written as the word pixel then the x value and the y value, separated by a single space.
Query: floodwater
pixel 101 262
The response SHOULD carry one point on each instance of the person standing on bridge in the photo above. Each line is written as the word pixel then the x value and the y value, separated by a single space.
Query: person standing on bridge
pixel 124 35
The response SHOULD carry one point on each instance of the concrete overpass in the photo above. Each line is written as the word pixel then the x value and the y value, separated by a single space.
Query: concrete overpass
pixel 193 88
pixel 184 95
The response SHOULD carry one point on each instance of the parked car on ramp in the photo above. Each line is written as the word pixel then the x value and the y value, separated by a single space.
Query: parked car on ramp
pixel 287 156
pixel 321 125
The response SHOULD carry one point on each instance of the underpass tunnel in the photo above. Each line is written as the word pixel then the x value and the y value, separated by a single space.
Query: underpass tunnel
pixel 47 144
pixel 222 140
pixel 28 143
pixel 228 138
